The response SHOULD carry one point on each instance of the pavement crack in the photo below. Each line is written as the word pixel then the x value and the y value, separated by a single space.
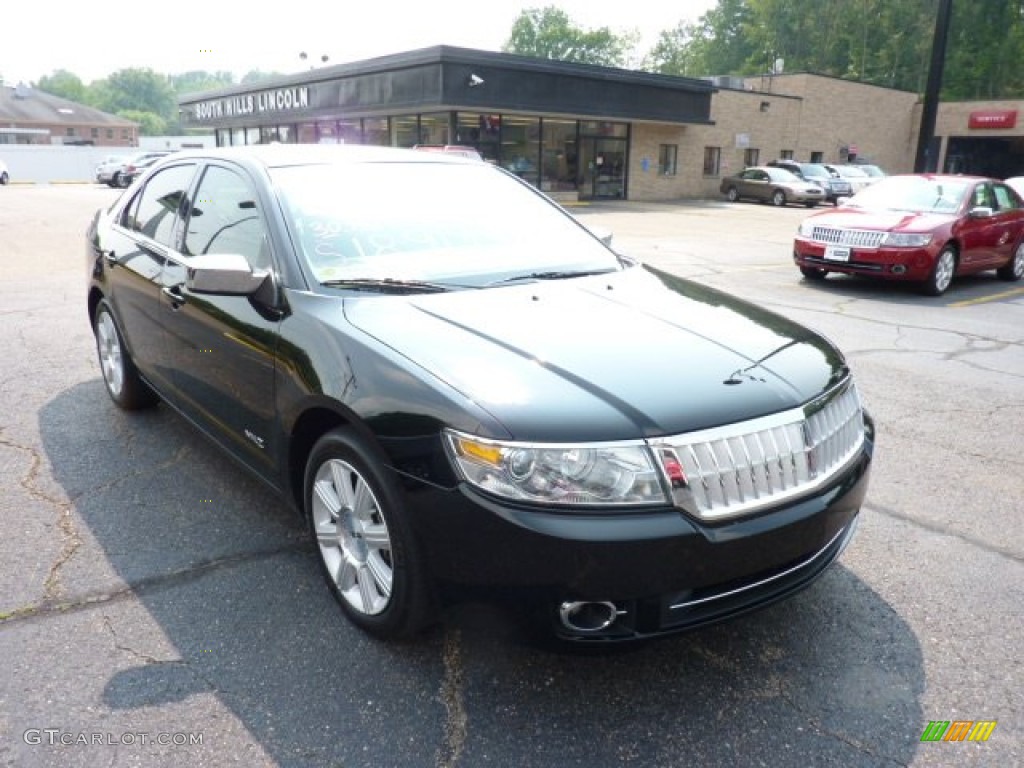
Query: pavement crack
pixel 818 727
pixel 143 657
pixel 943 530
pixel 455 724
pixel 71 541
pixel 146 586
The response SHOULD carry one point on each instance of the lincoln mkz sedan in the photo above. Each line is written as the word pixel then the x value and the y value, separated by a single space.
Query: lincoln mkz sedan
pixel 923 228
pixel 459 385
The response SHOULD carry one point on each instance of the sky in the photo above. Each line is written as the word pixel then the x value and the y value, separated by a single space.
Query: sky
pixel 94 40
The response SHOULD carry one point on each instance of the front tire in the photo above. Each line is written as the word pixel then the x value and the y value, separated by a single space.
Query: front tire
pixel 4 178
pixel 778 198
pixel 367 551
pixel 128 391
pixel 942 273
pixel 813 273
pixel 1015 269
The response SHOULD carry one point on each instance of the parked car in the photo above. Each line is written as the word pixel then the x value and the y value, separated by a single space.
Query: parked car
pixel 835 186
pixel 1017 184
pixel 132 170
pixel 457 383
pixel 112 173
pixel 4 175
pixel 775 185
pixel 858 179
pixel 871 170
pixel 922 227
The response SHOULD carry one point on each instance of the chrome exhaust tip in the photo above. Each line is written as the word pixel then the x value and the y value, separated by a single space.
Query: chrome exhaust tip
pixel 588 617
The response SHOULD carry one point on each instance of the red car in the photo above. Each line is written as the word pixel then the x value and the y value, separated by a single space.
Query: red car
pixel 926 228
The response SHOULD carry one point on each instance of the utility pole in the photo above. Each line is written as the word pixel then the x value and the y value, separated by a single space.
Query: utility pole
pixel 926 161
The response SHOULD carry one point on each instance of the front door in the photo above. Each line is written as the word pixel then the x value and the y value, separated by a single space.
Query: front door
pixel 603 168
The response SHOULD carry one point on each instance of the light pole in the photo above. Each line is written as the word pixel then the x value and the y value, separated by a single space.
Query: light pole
pixel 926 161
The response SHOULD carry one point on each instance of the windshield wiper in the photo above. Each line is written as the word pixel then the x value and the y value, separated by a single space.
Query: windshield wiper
pixel 555 275
pixel 389 284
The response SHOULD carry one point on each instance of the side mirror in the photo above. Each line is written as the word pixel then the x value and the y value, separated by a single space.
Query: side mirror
pixel 602 234
pixel 223 273
pixel 981 212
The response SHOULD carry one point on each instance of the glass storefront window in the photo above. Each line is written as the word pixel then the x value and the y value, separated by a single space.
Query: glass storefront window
pixel 558 164
pixel 252 136
pixel 434 129
pixel 520 147
pixel 604 128
pixel 223 137
pixel 286 134
pixel 480 131
pixel 238 136
pixel 375 131
pixel 307 133
pixel 349 132
pixel 406 130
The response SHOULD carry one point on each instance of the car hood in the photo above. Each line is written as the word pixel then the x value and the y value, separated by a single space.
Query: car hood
pixel 900 221
pixel 636 353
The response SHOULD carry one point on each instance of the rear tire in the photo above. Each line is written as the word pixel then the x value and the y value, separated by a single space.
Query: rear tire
pixel 4 178
pixel 128 391
pixel 732 194
pixel 367 551
pixel 1015 269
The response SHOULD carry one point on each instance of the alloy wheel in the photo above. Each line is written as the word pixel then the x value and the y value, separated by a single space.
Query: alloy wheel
pixel 353 537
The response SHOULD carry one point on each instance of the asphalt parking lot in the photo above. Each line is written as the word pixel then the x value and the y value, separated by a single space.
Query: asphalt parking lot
pixel 157 608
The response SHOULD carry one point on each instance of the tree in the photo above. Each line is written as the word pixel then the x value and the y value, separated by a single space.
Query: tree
pixel 64 84
pixel 548 33
pixel 135 89
pixel 150 124
pixel 200 80
pixel 718 44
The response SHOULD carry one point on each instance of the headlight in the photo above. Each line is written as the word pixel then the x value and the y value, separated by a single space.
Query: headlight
pixel 587 474
pixel 906 239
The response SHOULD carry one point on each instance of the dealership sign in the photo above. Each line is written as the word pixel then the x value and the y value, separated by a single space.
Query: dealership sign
pixel 992 118
pixel 278 100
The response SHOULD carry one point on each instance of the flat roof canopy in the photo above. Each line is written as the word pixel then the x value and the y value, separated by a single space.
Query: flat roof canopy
pixel 446 78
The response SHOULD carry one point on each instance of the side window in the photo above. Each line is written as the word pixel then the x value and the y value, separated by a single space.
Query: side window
pixel 983 196
pixel 225 218
pixel 1005 197
pixel 156 207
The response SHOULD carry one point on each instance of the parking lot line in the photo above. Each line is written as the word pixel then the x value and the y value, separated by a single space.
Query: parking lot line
pixel 987 299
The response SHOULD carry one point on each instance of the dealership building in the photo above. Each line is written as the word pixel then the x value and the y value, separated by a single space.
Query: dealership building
pixel 586 132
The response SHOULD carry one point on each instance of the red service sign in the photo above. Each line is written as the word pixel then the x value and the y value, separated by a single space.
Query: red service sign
pixel 993 118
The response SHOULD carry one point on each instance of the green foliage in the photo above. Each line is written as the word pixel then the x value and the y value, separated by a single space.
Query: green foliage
pixel 150 124
pixel 64 84
pixel 548 33
pixel 886 42
pixel 135 89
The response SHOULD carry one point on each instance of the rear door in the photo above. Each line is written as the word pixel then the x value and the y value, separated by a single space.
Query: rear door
pixel 135 252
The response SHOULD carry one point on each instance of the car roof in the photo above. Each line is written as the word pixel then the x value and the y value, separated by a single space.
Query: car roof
pixel 283 155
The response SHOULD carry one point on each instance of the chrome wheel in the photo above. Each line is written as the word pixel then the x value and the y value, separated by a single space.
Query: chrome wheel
pixel 942 275
pixel 353 537
pixel 1014 269
pixel 108 344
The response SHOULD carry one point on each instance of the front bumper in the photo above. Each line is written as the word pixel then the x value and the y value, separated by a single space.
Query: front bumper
pixel 663 570
pixel 891 263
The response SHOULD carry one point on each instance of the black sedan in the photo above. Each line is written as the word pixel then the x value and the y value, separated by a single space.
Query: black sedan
pixel 456 383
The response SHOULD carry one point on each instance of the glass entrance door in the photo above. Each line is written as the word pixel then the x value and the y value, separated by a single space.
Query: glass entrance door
pixel 603 166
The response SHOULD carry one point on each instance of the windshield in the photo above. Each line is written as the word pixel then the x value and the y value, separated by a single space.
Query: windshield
pixel 813 171
pixel 447 223
pixel 913 193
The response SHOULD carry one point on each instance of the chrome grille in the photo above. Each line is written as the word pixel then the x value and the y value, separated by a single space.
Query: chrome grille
pixel 854 238
pixel 744 467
